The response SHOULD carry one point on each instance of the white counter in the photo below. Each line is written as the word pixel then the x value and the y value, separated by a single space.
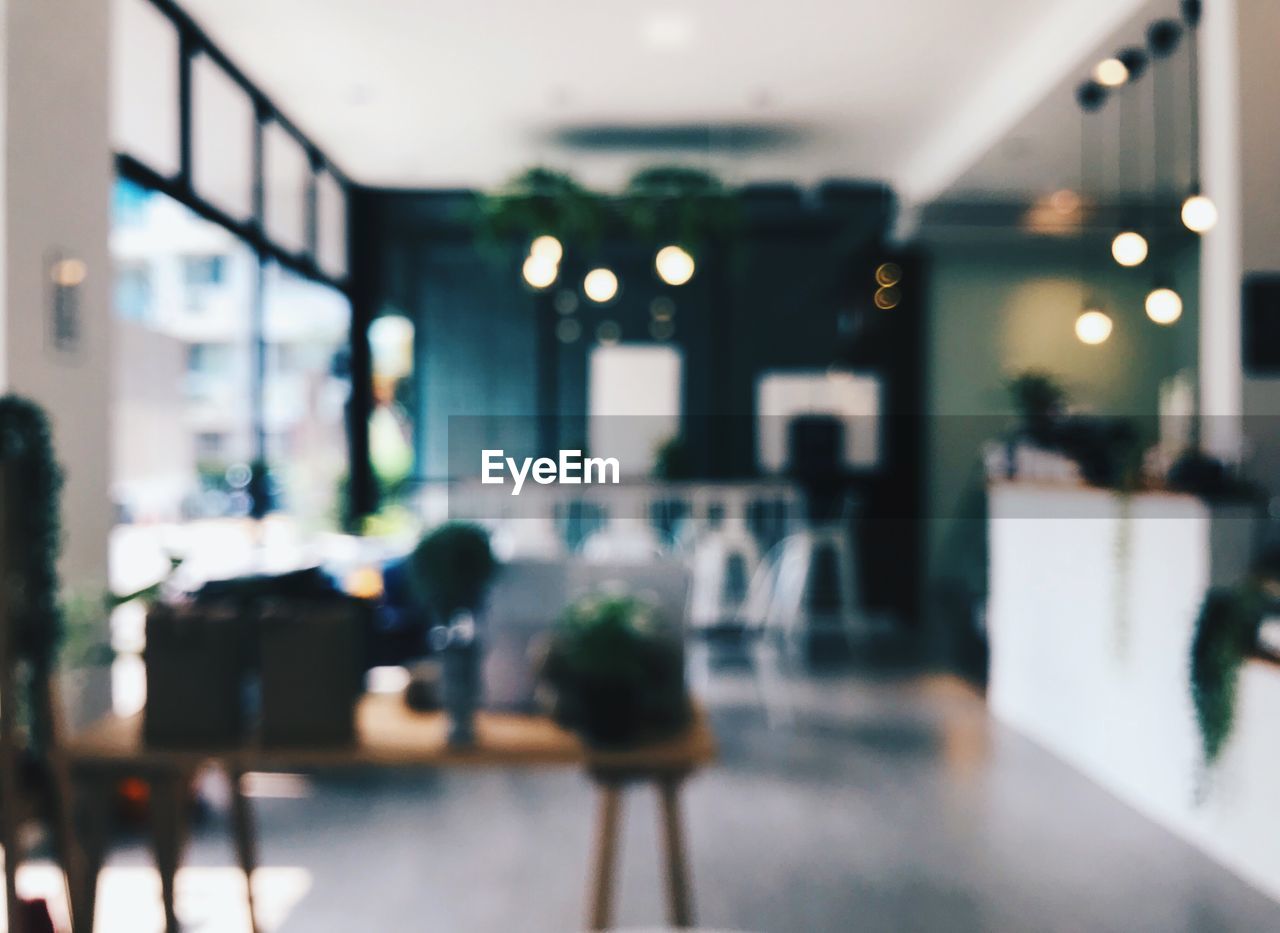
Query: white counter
pixel 1093 600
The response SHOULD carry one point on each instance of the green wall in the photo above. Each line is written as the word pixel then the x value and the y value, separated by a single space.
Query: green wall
pixel 996 309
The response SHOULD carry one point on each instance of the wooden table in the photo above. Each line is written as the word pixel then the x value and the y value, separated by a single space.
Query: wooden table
pixel 389 734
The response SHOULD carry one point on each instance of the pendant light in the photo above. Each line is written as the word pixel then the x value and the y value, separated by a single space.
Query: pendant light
pixel 1199 213
pixel 1093 325
pixel 1163 304
pixel 1129 247
pixel 674 265
pixel 600 285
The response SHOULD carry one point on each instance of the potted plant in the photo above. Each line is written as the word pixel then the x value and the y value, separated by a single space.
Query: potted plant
pixel 614 672
pixel 451 570
pixel 1040 402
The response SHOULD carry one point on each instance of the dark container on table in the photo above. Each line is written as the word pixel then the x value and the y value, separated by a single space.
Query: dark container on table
pixel 197 665
pixel 311 653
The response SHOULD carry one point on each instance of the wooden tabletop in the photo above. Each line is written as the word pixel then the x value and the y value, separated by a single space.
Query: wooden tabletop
pixel 389 734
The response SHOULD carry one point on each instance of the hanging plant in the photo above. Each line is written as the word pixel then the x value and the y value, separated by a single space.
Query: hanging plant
pixel 678 204
pixel 1226 631
pixel 541 201
pixel 671 204
pixel 34 481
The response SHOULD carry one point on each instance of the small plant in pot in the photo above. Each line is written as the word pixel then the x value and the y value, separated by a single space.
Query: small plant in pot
pixel 452 568
pixel 614 672
pixel 1040 402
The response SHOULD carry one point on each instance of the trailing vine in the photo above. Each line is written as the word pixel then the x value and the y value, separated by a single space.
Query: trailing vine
pixel 1226 631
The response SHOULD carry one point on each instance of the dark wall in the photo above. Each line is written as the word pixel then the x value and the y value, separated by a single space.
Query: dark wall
pixel 790 289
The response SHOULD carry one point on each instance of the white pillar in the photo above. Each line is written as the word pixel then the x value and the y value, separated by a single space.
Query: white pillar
pixel 55 189
pixel 1239 127
pixel 1221 257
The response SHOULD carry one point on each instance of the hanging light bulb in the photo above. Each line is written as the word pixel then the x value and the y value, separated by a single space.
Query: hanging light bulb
pixel 1093 327
pixel 1110 72
pixel 539 270
pixel 600 285
pixel 1199 213
pixel 1164 305
pixel 1129 248
pixel 674 265
pixel 548 247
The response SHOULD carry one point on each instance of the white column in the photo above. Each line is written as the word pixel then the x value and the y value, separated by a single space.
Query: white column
pixel 1239 127
pixel 1221 143
pixel 55 188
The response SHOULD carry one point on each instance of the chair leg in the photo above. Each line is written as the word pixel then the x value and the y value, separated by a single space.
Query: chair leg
pixel 771 681
pixel 608 818
pixel 679 894
pixel 699 654
pixel 246 841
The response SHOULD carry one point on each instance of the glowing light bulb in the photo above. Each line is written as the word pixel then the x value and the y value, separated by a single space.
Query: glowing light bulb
pixel 1110 72
pixel 1164 305
pixel 539 271
pixel 1199 213
pixel 600 285
pixel 1129 248
pixel 674 265
pixel 547 247
pixel 1093 327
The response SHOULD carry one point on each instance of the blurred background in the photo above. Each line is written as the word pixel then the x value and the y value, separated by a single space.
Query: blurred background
pixel 936 349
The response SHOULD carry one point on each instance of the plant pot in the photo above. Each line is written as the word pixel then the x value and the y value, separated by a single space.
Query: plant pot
pixel 310 652
pixel 196 660
pixel 85 693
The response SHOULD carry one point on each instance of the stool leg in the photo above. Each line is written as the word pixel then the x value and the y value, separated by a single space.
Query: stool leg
pixel 92 794
pixel 246 843
pixel 168 832
pixel 679 899
pixel 608 817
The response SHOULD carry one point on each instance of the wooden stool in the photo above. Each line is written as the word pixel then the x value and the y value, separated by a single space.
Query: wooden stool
pixel 609 791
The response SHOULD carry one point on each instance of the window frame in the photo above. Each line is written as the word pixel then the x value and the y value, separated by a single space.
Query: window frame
pixel 253 231
pixel 193 43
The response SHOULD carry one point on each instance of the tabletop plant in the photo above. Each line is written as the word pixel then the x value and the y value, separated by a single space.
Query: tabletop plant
pixel 614 672
pixel 1040 402
pixel 452 568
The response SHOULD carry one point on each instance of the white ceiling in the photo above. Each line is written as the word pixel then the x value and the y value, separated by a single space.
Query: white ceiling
pixel 1041 152
pixel 426 93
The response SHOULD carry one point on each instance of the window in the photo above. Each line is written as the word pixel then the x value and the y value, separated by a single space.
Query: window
pixel 306 328
pixel 144 85
pixel 331 226
pixel 133 289
pixel 221 139
pixel 286 176
pixel 633 398
pixel 202 271
pixel 209 446
pixel 201 278
pixel 180 380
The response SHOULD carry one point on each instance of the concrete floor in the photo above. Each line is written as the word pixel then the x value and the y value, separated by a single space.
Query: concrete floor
pixel 890 803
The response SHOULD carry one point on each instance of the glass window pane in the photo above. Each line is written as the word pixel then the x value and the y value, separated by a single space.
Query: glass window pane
pixel 306 326
pixel 222 121
pixel 286 172
pixel 184 292
pixel 331 225
pixel 144 85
